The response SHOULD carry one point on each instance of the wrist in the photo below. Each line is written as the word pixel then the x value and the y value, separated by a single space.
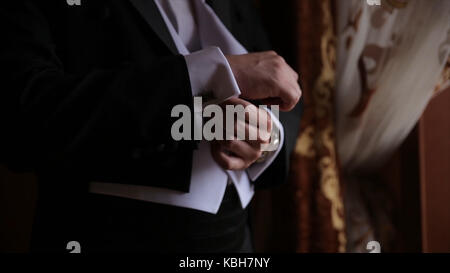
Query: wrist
pixel 272 146
pixel 234 65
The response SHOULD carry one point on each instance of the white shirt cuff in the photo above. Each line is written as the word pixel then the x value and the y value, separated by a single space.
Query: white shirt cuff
pixel 211 75
pixel 255 170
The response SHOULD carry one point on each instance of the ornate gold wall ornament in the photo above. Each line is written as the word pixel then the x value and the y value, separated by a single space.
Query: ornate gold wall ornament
pixel 323 90
pixel 305 143
pixel 397 4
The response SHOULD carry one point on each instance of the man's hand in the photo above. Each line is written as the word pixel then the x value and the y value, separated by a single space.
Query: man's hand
pixel 240 154
pixel 267 77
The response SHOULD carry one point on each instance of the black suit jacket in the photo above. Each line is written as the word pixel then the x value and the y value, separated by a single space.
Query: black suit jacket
pixel 87 93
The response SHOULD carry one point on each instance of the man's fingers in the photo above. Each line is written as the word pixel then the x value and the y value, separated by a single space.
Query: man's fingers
pixel 253 124
pixel 225 160
pixel 292 95
pixel 266 75
pixel 286 81
pixel 286 88
pixel 242 150
pixel 234 154
pixel 285 104
pixel 236 101
pixel 243 130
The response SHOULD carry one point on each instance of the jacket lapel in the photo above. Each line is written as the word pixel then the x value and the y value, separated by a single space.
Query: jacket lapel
pixel 222 9
pixel 149 11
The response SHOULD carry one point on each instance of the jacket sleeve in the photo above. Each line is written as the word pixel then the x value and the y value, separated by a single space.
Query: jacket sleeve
pixel 106 124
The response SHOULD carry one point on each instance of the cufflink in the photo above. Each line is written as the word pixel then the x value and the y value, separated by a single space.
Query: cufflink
pixel 273 145
pixel 263 157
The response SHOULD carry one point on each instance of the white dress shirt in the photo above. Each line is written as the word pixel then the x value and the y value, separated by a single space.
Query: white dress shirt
pixel 202 38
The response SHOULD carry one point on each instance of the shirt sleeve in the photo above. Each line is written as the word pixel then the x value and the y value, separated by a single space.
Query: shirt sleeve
pixel 211 75
pixel 255 170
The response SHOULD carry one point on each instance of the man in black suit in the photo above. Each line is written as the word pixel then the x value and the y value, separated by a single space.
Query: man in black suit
pixel 88 91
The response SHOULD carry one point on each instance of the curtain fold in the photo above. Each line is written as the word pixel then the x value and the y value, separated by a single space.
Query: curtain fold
pixel 391 60
pixel 367 73
pixel 315 169
pixel 307 214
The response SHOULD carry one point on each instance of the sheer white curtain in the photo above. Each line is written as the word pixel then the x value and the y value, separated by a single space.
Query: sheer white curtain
pixel 390 62
pixel 390 58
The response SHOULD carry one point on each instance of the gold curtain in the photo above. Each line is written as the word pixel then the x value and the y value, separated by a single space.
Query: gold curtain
pixel 315 175
pixel 307 214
